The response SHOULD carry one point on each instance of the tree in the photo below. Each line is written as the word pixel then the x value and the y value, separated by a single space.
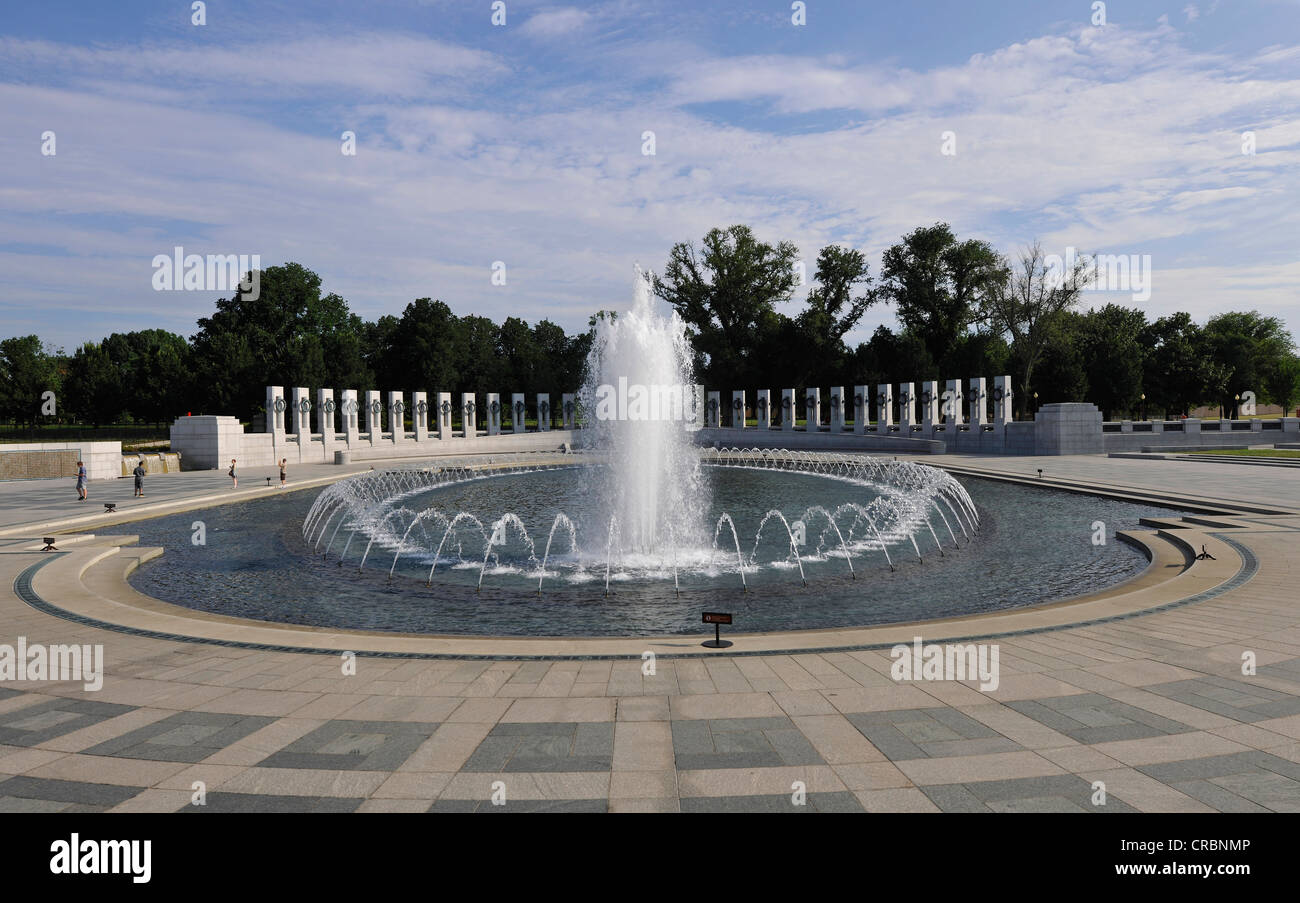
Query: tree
pixel 288 335
pixel 1247 346
pixel 726 293
pixel 1174 373
pixel 836 303
pixel 419 351
pixel 939 285
pixel 1062 375
pixel 95 386
pixel 1283 383
pixel 1027 307
pixel 28 369
pixel 1112 353
pixel 889 354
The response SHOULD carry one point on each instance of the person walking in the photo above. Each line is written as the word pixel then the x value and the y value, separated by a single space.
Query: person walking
pixel 139 473
pixel 81 481
pixel 234 477
pixel 284 463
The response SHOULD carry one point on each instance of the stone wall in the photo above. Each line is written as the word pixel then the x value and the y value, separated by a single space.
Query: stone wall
pixel 58 460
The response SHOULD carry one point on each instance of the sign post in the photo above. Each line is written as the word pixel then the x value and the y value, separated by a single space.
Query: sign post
pixel 717 618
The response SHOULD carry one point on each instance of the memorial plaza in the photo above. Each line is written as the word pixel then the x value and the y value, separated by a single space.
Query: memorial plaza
pixel 1175 691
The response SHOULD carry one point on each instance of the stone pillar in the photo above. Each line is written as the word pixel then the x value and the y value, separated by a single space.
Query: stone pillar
pixel 979 403
pixel 300 414
pixel 713 411
pixel 544 412
pixel 519 413
pixel 1192 427
pixel 929 406
pixel 444 412
pixel 884 408
pixel 374 411
pixel 420 415
pixel 861 409
pixel 326 422
pixel 952 406
pixel 494 414
pixel 1001 401
pixel 350 409
pixel 276 406
pixel 1157 426
pixel 1291 425
pixel 397 417
pixel 469 415
pixel 300 421
pixel 906 408
pixel 693 408
pixel 738 409
pixel 979 406
pixel 812 409
pixel 569 403
pixel 763 409
pixel 326 419
pixel 837 409
pixel 788 412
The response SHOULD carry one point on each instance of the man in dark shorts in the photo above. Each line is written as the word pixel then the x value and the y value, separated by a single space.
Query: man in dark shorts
pixel 81 481
pixel 284 464
pixel 139 474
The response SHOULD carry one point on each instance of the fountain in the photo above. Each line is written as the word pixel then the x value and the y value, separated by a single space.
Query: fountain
pixel 651 479
pixel 639 503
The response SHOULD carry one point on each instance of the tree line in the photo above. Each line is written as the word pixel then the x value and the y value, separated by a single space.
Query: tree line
pixel 290 335
pixel 962 310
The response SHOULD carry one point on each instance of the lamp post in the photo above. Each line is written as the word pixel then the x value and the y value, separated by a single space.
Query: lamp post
pixel 1236 404
pixel 1144 406
pixel 1035 404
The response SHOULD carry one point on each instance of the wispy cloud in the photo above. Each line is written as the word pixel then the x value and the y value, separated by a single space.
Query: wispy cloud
pixel 1122 139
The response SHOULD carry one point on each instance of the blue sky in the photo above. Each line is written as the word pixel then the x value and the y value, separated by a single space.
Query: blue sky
pixel 522 144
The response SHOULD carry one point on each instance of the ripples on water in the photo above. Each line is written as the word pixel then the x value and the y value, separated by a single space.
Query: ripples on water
pixel 1033 546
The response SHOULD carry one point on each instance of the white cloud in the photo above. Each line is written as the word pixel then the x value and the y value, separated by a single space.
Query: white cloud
pixel 553 23
pixel 1098 139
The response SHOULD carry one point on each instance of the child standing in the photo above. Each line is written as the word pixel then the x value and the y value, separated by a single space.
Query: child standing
pixel 284 463
pixel 139 473
pixel 234 478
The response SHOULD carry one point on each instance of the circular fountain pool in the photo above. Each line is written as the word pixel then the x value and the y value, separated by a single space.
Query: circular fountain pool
pixel 814 547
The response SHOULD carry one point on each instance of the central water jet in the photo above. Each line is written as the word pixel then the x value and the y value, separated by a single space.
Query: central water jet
pixel 642 407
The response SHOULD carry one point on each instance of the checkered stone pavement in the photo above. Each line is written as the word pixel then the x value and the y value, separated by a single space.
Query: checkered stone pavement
pixel 1153 707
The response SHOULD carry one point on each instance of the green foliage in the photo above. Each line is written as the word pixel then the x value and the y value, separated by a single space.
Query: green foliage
pixel 1108 340
pixel 1282 384
pixel 1246 349
pixel 939 285
pixel 727 293
pixel 28 369
pixel 1175 371
pixel 289 335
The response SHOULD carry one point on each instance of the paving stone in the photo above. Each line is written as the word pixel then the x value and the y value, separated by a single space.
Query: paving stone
pixel 1094 718
pixel 545 747
pixel 183 737
pixel 220 801
pixel 521 806
pixel 353 746
pixel 97 797
pixel 35 724
pixel 814 802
